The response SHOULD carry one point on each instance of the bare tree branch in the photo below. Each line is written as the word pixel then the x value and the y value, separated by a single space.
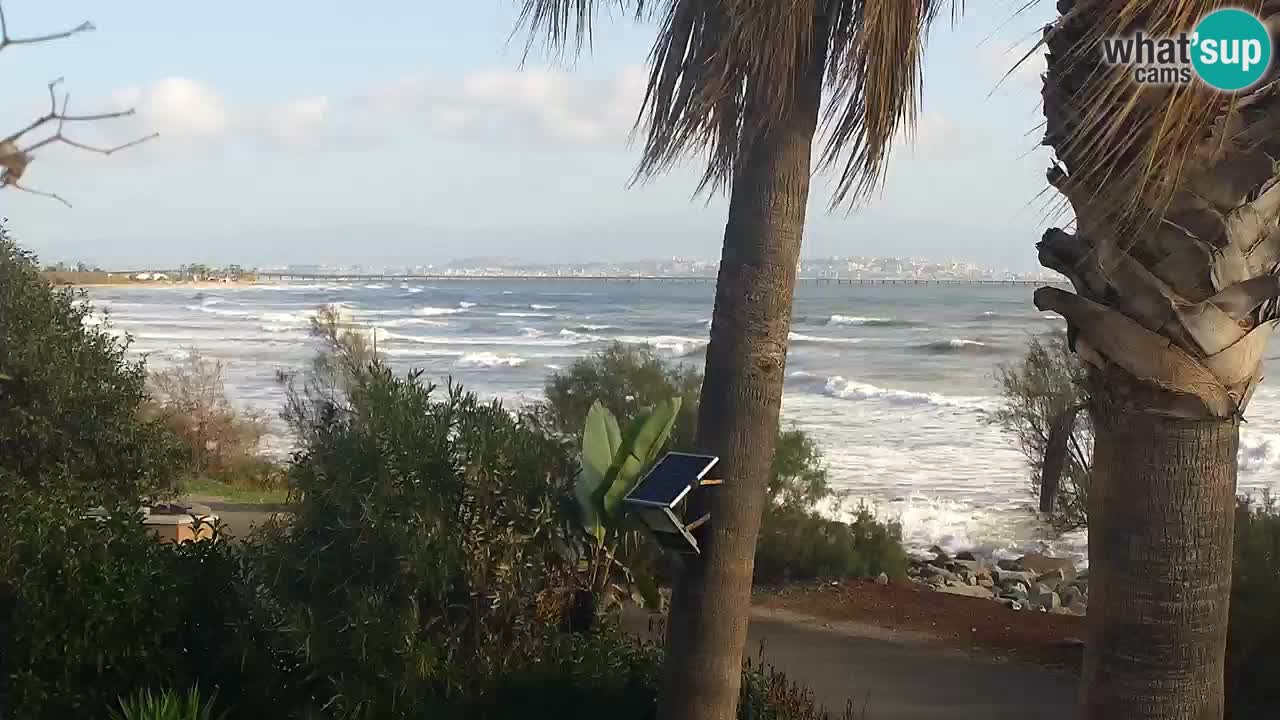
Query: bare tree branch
pixel 41 193
pixel 6 41
pixel 14 160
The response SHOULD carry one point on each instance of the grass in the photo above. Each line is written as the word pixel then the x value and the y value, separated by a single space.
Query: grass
pixel 234 493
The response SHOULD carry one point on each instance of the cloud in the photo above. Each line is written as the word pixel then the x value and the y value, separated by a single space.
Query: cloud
pixel 533 104
pixel 297 121
pixel 177 106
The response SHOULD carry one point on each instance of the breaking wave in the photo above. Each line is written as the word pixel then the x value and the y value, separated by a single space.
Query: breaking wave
pixel 489 360
pixel 434 311
pixel 959 345
pixel 816 340
pixel 868 321
pixel 839 387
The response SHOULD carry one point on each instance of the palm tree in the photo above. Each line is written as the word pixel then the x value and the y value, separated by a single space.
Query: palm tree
pixel 1174 260
pixel 748 82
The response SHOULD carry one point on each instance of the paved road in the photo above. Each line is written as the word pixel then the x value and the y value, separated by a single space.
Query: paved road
pixel 907 678
pixel 899 676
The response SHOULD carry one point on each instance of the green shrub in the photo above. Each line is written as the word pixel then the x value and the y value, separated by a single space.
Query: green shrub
pixel 796 541
pixel 167 705
pixel 799 544
pixel 1253 652
pixel 426 526
pixel 69 401
pixel 1038 390
pixel 92 609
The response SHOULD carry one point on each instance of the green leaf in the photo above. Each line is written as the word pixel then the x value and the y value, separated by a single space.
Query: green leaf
pixel 587 491
pixel 644 439
pixel 600 439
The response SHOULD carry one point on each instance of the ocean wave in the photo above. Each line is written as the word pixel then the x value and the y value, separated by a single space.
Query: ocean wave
pixel 959 345
pixel 531 332
pixel 466 305
pixel 673 344
pixel 375 286
pixel 525 314
pixel 844 389
pixel 867 321
pixel 435 311
pixel 536 306
pixel 815 340
pixel 564 339
pixel 489 360
pixel 593 328
pixel 405 322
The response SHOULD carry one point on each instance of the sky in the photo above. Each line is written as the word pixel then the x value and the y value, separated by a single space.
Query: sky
pixel 415 132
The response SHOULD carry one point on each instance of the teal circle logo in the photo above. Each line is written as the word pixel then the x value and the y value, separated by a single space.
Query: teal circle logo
pixel 1231 49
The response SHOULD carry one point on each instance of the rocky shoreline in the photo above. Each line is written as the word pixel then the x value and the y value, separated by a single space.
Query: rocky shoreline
pixel 1033 582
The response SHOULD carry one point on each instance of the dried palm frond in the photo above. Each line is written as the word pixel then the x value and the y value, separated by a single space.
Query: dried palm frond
pixel 723 72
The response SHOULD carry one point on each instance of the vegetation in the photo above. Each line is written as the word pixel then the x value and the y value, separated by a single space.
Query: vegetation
pixel 1045 399
pixel 224 442
pixel 424 571
pixel 70 428
pixel 166 705
pixel 796 540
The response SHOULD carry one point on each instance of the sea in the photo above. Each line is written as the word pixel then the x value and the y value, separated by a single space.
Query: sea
pixel 896 383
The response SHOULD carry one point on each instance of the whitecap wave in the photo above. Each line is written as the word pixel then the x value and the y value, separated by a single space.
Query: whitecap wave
pixel 867 321
pixel 375 286
pixel 536 306
pixel 466 305
pixel 593 328
pixel 959 345
pixel 531 332
pixel 673 344
pixel 816 340
pixel 525 315
pixel 435 311
pixel 489 360
pixel 845 389
pixel 413 321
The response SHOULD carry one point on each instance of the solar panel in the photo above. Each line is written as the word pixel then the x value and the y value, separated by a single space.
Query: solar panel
pixel 667 482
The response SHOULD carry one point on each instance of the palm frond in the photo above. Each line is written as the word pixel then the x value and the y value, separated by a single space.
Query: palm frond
pixel 724 73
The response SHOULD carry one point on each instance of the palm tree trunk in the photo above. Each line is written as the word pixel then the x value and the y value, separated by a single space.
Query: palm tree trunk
pixel 738 415
pixel 1161 516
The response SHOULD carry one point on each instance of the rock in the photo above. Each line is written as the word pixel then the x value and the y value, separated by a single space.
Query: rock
pixel 972 566
pixel 1015 586
pixel 1077 607
pixel 970 580
pixel 965 555
pixel 1011 603
pixel 933 571
pixel 1069 595
pixel 967 590
pixel 1020 595
pixel 1056 575
pixel 985 582
pixel 882 579
pixel 1009 564
pixel 939 555
pixel 1040 564
pixel 1003 576
pixel 1046 600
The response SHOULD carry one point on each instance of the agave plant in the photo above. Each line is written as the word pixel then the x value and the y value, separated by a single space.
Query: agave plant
pixel 613 461
pixel 167 705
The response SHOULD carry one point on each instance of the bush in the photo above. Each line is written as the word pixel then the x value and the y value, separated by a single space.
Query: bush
pixel 796 541
pixel 795 544
pixel 426 526
pixel 91 610
pixel 224 442
pixel 69 401
pixel 1253 652
pixel 1046 384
